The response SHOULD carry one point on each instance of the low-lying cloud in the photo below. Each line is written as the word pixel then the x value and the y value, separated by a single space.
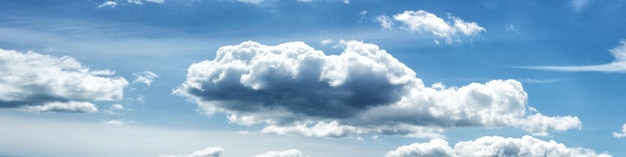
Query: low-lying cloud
pixel 496 146
pixel 297 90
pixel 45 83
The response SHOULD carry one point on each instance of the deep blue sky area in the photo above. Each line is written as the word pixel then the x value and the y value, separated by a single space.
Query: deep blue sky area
pixel 264 78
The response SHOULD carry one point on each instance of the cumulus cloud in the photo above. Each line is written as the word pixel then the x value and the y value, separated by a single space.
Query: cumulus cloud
pixel 206 152
pixel 145 77
pixel 297 90
pixel 111 4
pixel 527 146
pixel 620 134
pixel 285 153
pixel 43 83
pixel 618 65
pixel 426 22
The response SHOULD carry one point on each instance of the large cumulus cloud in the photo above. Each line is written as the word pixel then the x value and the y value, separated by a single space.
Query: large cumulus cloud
pixel 46 83
pixel 295 89
pixel 493 146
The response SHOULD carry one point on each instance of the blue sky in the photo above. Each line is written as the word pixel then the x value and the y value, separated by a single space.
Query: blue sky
pixel 312 78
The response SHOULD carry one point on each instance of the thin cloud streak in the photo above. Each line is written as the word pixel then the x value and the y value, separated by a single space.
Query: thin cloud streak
pixel 618 65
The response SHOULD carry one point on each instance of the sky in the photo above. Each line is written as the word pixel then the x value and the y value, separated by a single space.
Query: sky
pixel 315 78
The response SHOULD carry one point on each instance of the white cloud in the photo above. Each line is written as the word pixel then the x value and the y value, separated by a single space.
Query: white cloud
pixel 112 110
pixel 320 129
pixel 156 1
pixel 206 152
pixel 423 21
pixel 526 146
pixel 434 148
pixel 384 21
pixel 145 77
pixel 251 1
pixel 622 133
pixel 326 41
pixel 115 122
pixel 64 107
pixel 618 65
pixel 139 2
pixel 285 153
pixel 297 90
pixel 305 1
pixel 46 83
pixel 111 4
pixel 346 1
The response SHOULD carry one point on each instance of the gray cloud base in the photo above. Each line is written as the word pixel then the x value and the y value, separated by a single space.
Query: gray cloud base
pixel 295 89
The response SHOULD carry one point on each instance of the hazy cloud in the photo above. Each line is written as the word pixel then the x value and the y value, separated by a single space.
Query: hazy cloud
pixel 206 152
pixel 40 82
pixel 578 5
pixel 297 90
pixel 285 153
pixel 251 1
pixel 496 146
pixel 620 134
pixel 422 21
pixel 145 77
pixel 385 21
pixel 618 65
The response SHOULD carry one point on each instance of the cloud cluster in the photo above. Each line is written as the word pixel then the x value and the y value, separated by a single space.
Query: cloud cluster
pixel 297 90
pixel 496 146
pixel 423 21
pixel 206 152
pixel 618 65
pixel 620 134
pixel 44 83
pixel 285 153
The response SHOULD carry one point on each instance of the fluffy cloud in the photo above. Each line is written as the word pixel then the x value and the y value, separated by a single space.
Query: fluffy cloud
pixel 297 90
pixel 526 146
pixel 286 153
pixel 115 122
pixel 423 21
pixel 620 134
pixel 618 65
pixel 145 77
pixel 206 152
pixel 46 83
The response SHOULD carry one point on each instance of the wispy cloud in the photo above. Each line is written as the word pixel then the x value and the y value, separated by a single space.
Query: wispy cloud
pixel 621 133
pixel 618 65
pixel 146 77
pixel 206 152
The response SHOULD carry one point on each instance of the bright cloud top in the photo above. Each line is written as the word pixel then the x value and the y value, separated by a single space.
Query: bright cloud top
pixel 42 83
pixel 618 65
pixel 423 21
pixel 206 152
pixel 620 134
pixel 295 89
pixel 285 153
pixel 526 146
